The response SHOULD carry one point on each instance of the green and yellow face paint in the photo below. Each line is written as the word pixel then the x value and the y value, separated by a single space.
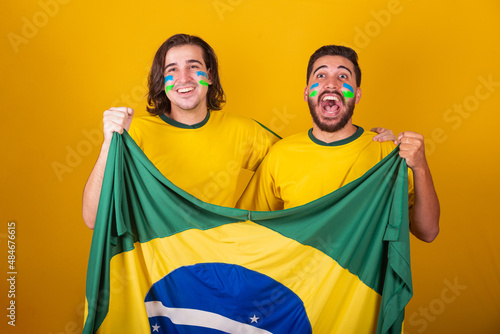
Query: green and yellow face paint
pixel 202 74
pixel 314 90
pixel 169 83
pixel 348 91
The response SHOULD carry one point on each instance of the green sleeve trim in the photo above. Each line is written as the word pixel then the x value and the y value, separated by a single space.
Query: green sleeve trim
pixel 265 127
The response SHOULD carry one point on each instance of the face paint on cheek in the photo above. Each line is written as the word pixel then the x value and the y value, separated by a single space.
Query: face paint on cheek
pixel 168 87
pixel 349 93
pixel 314 89
pixel 203 74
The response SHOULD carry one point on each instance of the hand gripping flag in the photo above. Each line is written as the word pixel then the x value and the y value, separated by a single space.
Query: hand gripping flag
pixel 162 261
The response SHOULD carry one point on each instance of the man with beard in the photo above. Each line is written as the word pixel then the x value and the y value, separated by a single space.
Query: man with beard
pixel 334 152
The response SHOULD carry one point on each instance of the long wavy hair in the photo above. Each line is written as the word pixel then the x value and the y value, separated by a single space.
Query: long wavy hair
pixel 158 103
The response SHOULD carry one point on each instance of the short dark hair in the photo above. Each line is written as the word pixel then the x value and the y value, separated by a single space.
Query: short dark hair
pixel 335 50
pixel 158 103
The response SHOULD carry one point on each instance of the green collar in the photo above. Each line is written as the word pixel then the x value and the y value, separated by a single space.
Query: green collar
pixel 172 122
pixel 341 142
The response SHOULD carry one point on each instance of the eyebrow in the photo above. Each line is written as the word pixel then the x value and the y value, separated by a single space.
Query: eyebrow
pixel 316 70
pixel 190 61
pixel 341 66
pixel 345 68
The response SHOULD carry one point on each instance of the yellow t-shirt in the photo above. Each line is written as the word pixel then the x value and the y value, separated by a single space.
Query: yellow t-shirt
pixel 204 159
pixel 301 168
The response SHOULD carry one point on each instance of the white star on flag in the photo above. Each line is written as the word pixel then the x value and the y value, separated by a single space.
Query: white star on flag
pixel 254 319
pixel 156 328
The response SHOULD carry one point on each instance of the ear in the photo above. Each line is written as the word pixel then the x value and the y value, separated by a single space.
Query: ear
pixel 306 93
pixel 358 95
pixel 209 75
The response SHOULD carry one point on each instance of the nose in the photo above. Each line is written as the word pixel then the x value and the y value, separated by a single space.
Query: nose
pixel 183 76
pixel 332 84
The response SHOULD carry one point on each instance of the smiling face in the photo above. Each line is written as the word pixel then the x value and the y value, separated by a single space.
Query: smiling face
pixel 186 78
pixel 332 93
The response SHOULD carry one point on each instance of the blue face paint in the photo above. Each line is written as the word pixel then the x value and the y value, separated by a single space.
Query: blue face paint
pixel 202 73
pixel 348 87
pixel 168 87
pixel 314 92
pixel 349 93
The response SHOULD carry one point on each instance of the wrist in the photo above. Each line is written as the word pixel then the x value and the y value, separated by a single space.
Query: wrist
pixel 105 146
pixel 421 171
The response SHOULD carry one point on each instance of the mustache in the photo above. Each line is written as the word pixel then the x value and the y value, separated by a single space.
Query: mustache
pixel 335 92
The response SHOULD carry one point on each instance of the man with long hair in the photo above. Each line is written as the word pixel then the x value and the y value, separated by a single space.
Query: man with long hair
pixel 189 139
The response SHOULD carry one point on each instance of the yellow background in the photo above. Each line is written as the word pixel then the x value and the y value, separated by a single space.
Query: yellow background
pixel 426 66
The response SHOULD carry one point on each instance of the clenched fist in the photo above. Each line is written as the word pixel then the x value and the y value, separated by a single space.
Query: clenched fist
pixel 412 149
pixel 115 120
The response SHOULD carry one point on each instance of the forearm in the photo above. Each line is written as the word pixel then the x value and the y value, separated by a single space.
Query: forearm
pixel 424 223
pixel 114 120
pixel 92 190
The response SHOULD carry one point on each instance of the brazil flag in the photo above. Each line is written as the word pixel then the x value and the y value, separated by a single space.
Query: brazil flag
pixel 162 261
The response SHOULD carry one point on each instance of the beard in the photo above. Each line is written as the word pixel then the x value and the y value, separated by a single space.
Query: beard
pixel 326 124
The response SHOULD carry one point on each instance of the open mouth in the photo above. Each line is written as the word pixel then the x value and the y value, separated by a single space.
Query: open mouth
pixel 185 90
pixel 330 103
